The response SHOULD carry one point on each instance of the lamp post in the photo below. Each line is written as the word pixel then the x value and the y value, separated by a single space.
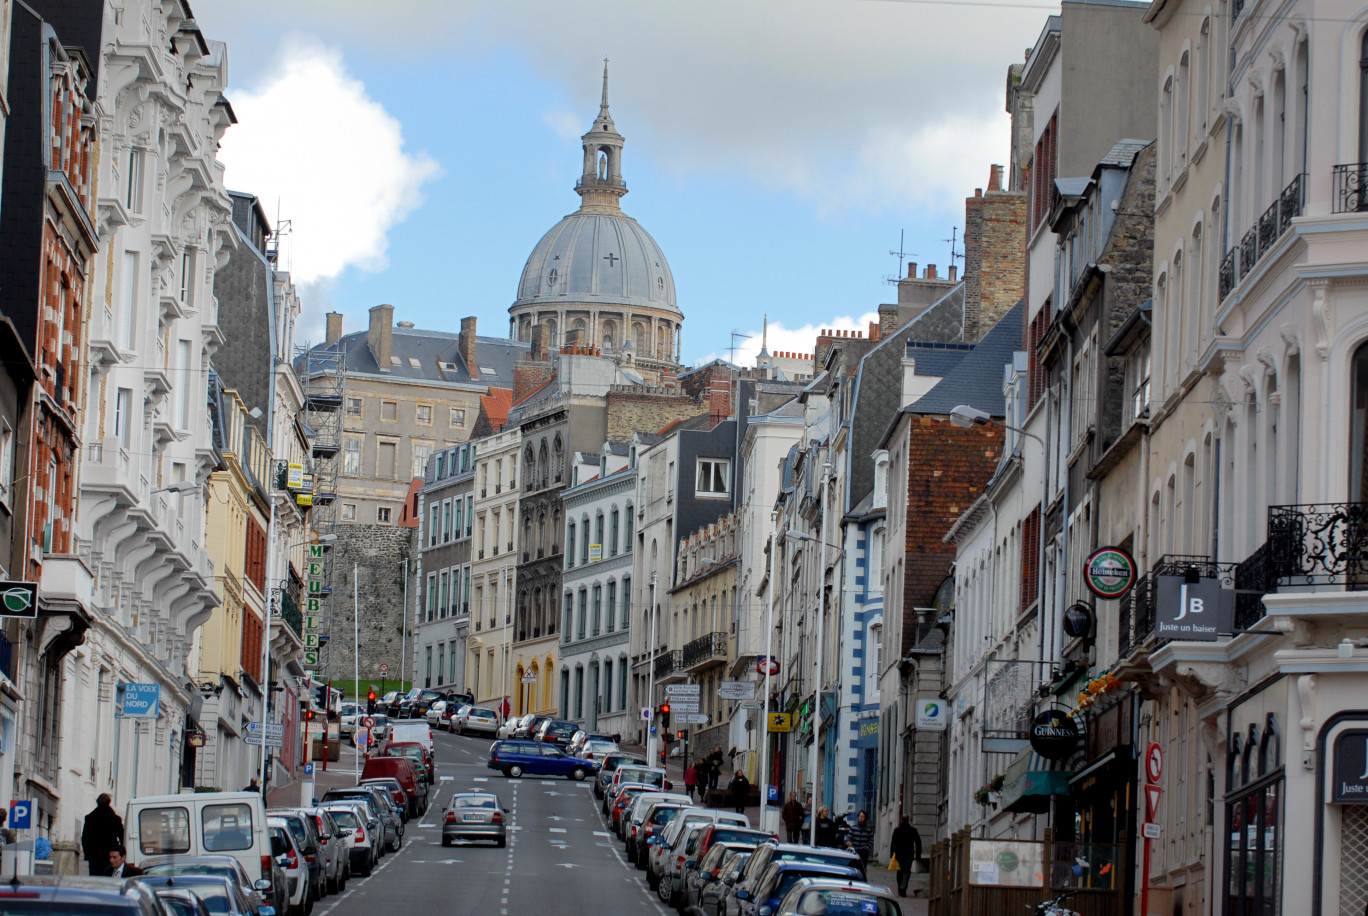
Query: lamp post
pixel 964 417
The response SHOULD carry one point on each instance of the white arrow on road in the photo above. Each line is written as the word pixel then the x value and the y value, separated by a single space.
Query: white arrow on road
pixel 567 865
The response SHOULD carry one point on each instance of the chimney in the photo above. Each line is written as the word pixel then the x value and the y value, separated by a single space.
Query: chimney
pixel 995 178
pixel 466 344
pixel 930 272
pixel 380 335
pixel 719 401
pixel 537 352
pixel 911 270
pixel 334 328
pixel 954 272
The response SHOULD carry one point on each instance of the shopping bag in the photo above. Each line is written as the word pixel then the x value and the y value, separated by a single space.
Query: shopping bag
pixel 893 863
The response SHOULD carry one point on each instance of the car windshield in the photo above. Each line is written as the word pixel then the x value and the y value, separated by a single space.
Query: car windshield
pixel 64 907
pixel 191 868
pixel 345 817
pixel 475 801
pixel 844 902
pixel 215 894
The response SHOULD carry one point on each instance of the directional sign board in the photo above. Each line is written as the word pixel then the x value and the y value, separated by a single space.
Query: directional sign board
pixel 691 718
pixel 273 730
pixel 683 690
pixel 736 690
pixel 683 704
pixel 255 740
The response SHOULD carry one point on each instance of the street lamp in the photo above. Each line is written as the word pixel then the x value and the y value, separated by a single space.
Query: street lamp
pixel 964 417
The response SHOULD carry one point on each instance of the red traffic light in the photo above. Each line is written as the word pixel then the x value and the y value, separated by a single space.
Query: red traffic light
pixel 680 734
pixel 371 696
pixel 664 709
pixel 308 715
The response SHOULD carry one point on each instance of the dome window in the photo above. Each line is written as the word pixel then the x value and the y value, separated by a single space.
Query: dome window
pixel 552 277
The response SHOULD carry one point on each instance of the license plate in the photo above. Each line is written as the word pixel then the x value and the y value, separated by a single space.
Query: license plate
pixel 472 818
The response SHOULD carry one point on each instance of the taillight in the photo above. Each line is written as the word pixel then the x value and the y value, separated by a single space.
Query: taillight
pixel 292 858
pixel 450 817
pixel 360 834
pixel 266 867
pixel 498 817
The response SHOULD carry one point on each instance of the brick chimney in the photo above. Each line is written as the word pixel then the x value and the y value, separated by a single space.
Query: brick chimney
pixel 466 344
pixel 380 335
pixel 994 255
pixel 719 400
pixel 334 328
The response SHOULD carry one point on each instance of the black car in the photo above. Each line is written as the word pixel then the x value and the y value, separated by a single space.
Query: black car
pixel 417 703
pixel 41 894
pixel 382 802
pixel 556 731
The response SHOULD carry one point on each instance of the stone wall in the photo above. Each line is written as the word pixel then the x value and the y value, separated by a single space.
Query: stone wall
pixel 378 553
pixel 648 413
pixel 994 256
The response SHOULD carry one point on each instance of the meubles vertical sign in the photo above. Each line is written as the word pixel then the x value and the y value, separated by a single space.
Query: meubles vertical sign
pixel 313 605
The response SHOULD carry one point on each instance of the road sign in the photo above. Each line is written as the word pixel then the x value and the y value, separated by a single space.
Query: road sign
pixel 780 722
pixel 21 815
pixel 368 722
pixel 1151 831
pixel 361 737
pixel 308 769
pixel 1154 762
pixel 767 664
pixel 736 690
pixel 529 678
pixel 255 741
pixel 273 730
pixel 384 669
pixel 683 704
pixel 141 700
pixel 683 690
pixel 1152 794
pixel 690 718
pixel 645 713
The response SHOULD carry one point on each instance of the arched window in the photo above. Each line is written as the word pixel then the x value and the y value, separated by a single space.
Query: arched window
pixel 529 468
pixel 570 545
pixel 609 335
pixel 555 529
pixel 627 529
pixel 584 540
pixel 543 461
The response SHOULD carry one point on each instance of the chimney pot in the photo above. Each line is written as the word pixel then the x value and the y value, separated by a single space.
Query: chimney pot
pixel 953 271
pixel 978 192
pixel 930 271
pixel 380 335
pixel 334 328
pixel 995 178
pixel 911 270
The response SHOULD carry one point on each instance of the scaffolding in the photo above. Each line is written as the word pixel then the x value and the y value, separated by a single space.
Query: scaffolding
pixel 322 371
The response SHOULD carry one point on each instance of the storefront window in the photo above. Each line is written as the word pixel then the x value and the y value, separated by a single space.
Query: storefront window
pixel 1254 826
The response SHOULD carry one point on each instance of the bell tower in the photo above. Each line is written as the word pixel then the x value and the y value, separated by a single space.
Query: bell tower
pixel 600 187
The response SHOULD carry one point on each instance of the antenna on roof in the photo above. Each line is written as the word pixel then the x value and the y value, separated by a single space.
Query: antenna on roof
pixel 735 336
pixel 954 254
pixel 900 254
pixel 282 228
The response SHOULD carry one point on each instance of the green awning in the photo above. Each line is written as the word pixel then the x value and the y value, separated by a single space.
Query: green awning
pixel 1030 780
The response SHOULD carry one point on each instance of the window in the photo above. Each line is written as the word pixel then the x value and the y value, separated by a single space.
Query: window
pixel 465 590
pixel 874 573
pixel 714 477
pixel 187 289
pixel 458 416
pixel 469 513
pixel 570 547
pixel 163 831
pixel 128 291
pixel 389 411
pixel 6 458
pixel 226 828
pixel 441 661
pixel 444 598
pixel 569 615
pixel 422 414
pixel 610 611
pixel 133 188
pixel 353 407
pixel 446 521
pixel 351 457
pixel 421 453
pixel 460 517
pixel 434 525
pixel 427 666
pixel 181 399
pixel 627 530
pixel 583 612
pixel 1138 382
pixel 431 607
pixel 613 535
pixel 598 609
pixel 598 533
pixel 123 419
pixel 386 453
pixel 382 515
pixel 626 601
pixel 451 676
pixel 349 512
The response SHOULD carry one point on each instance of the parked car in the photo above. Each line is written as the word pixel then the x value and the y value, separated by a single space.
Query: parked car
pixel 721 832
pixel 412 733
pixel 640 774
pixel 256 890
pixel 221 896
pixel 797 852
pixel 580 737
pixel 415 752
pixel 693 817
pixel 762 898
pixel 402 769
pixel 416 704
pixel 708 878
pixel 377 823
pixel 556 731
pixel 474 816
pixel 290 857
pixel 395 790
pixel 180 901
pixel 514 758
pixel 608 764
pixel 596 749
pixel 650 821
pixel 380 801
pixel 351 712
pixel 79 894
pixel 476 720
pixel 333 842
pixel 304 829
pixel 668 860
pixel 457 716
pixel 510 727
pixel 633 815
pixel 820 896
pixel 620 801
pixel 528 727
pixel 434 714
pixel 350 816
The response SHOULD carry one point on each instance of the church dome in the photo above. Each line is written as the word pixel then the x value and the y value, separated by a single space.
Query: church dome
pixel 598 258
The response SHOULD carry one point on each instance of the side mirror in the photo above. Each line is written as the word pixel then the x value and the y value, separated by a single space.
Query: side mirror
pixel 311 850
pixel 261 884
pixel 743 895
pixel 506 811
pixel 765 910
pixel 266 911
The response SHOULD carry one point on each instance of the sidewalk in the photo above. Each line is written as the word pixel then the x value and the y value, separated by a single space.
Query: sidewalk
pixel 340 773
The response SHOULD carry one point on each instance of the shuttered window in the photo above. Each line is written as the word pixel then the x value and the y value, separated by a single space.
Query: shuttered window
pixel 182 382
pixel 127 291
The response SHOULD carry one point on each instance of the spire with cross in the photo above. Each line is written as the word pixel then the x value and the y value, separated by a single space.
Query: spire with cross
pixel 601 185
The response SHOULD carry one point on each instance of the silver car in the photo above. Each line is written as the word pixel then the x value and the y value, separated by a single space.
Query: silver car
pixel 474 816
pixel 828 895
pixel 475 719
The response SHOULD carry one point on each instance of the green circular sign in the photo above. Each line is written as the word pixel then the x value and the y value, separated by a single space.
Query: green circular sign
pixel 1109 572
pixel 1008 861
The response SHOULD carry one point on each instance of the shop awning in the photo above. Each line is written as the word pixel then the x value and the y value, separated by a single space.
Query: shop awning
pixel 1030 780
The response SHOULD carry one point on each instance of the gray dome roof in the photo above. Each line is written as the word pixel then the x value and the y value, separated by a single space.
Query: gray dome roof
pixel 598 259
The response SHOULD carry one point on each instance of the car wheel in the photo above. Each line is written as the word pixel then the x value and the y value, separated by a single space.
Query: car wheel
pixel 515 771
pixel 663 889
pixel 577 774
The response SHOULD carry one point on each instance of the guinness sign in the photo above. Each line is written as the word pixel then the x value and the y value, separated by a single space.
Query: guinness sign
pixel 1054 735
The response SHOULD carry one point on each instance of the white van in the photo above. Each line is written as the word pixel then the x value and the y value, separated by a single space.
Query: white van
pixel 411 731
pixel 202 823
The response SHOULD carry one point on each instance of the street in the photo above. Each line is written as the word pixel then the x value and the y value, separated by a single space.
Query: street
pixel 560 858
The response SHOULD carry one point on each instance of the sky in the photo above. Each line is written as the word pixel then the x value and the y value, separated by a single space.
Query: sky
pixel 777 150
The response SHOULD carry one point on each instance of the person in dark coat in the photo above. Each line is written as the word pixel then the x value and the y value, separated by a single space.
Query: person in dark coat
pixel 861 837
pixel 102 832
pixel 792 815
pixel 826 828
pixel 906 847
pixel 740 791
pixel 119 866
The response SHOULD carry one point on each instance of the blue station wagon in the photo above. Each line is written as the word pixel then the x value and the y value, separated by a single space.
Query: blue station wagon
pixel 514 758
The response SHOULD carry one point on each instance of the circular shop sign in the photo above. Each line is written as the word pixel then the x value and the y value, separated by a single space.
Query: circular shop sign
pixel 1078 621
pixel 1109 572
pixel 1054 735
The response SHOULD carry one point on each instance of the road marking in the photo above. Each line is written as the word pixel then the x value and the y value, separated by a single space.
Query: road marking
pixel 567 865
pixel 477 778
pixel 556 829
pixel 602 833
pixel 548 782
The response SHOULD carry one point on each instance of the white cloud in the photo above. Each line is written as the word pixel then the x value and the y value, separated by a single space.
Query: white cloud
pixel 565 124
pixel 311 139
pixel 783 339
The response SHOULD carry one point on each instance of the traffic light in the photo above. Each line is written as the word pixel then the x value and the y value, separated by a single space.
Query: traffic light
pixel 308 715
pixel 370 703
pixel 680 734
pixel 665 715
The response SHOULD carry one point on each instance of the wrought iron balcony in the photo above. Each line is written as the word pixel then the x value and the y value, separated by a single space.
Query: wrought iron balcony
pixel 711 647
pixel 1351 188
pixel 289 612
pixel 669 662
pixel 1136 621
pixel 1272 224
pixel 1319 544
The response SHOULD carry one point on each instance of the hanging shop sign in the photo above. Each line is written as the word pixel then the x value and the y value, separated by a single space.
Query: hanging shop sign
pixel 932 715
pixel 1109 572
pixel 19 599
pixel 1350 783
pixel 294 476
pixel 1078 621
pixel 1054 735
pixel 1194 611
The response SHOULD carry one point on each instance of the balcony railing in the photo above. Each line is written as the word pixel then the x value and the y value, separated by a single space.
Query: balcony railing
pixel 1136 619
pixel 707 648
pixel 1253 580
pixel 1351 188
pixel 669 662
pixel 1319 544
pixel 1263 235
pixel 289 612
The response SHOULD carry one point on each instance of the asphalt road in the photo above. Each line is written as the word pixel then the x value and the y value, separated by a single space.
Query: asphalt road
pixel 561 859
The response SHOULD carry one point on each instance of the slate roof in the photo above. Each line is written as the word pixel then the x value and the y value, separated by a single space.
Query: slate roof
pixel 977 380
pixel 494 358
pixel 1123 153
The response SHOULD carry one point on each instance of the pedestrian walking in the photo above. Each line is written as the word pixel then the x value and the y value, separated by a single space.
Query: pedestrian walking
pixel 792 815
pixel 119 866
pixel 102 832
pixel 740 791
pixel 906 847
pixel 691 779
pixel 826 828
pixel 253 786
pixel 861 837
